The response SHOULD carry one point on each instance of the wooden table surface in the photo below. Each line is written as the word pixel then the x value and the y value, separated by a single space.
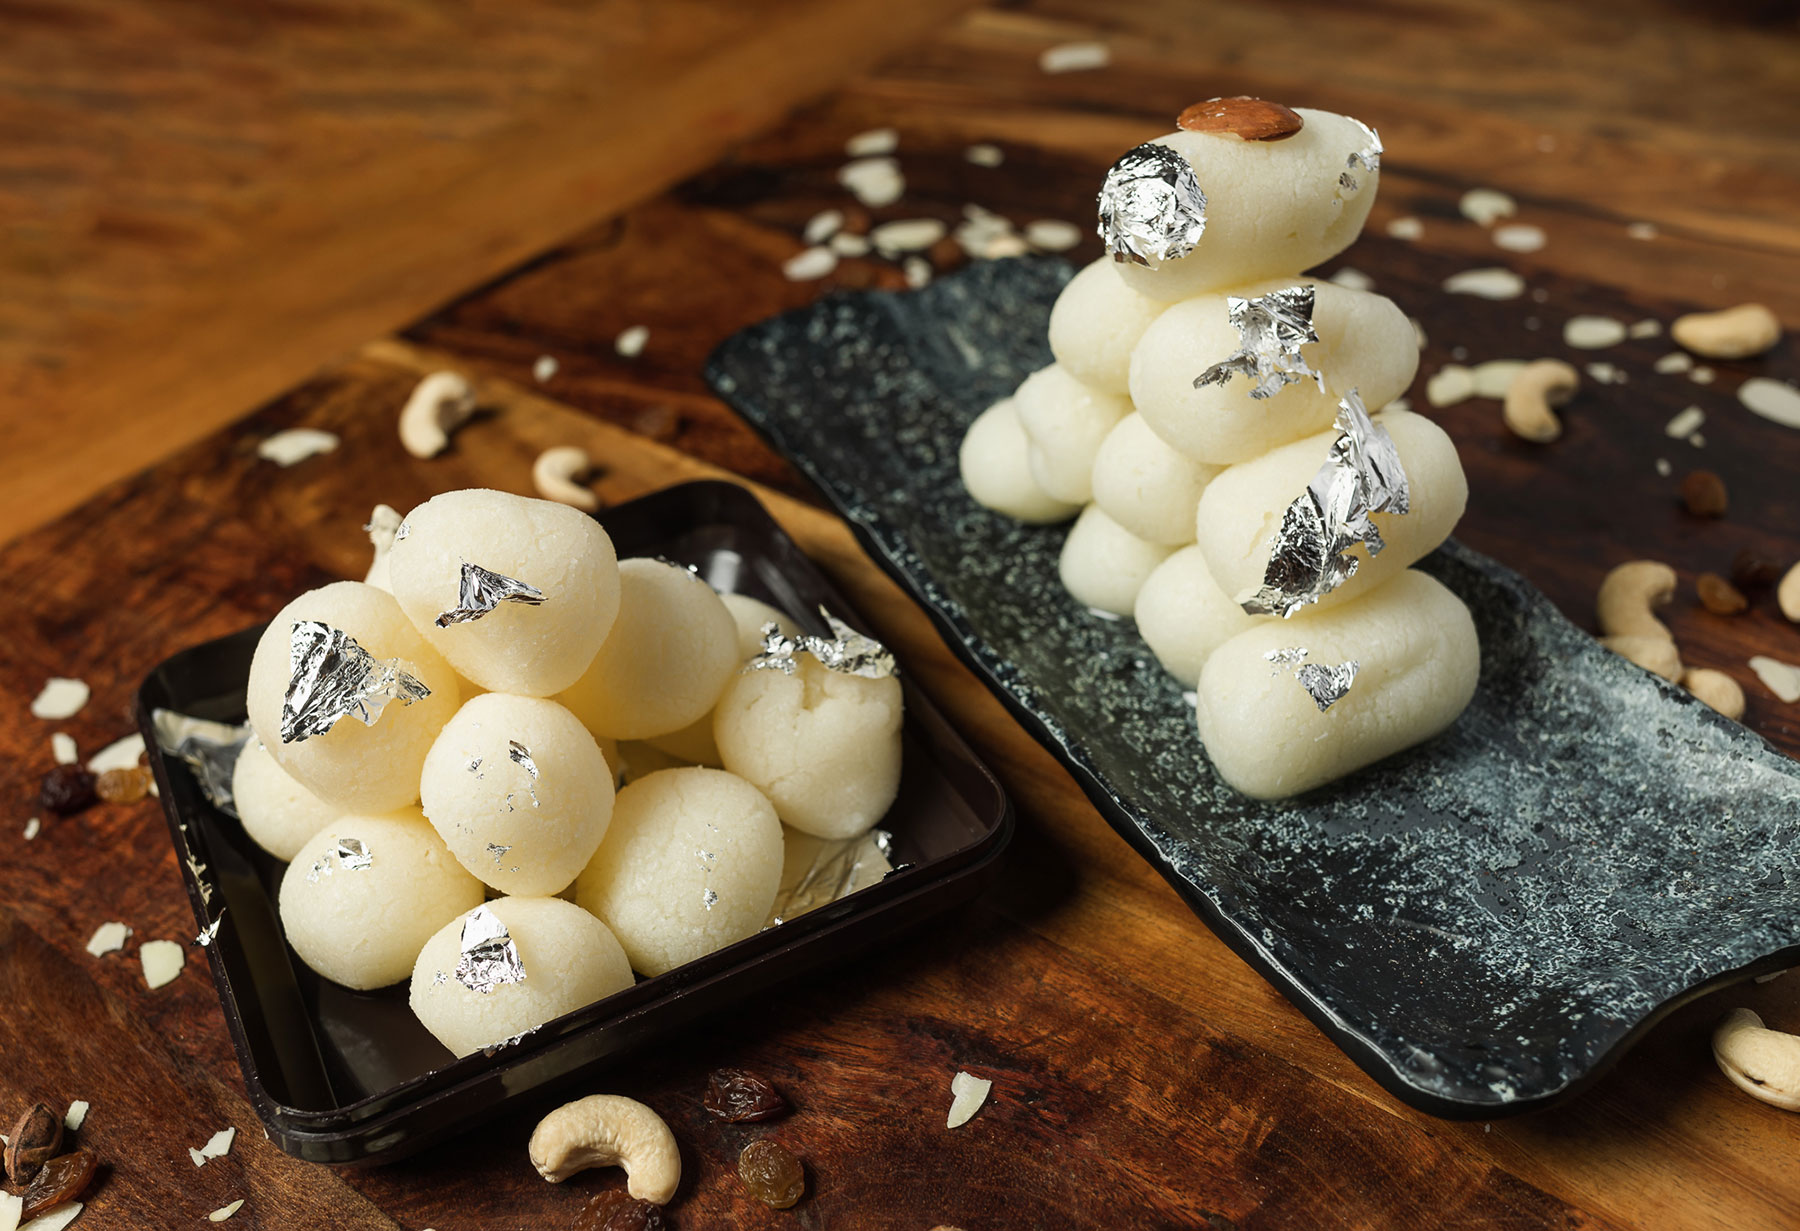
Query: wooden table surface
pixel 182 248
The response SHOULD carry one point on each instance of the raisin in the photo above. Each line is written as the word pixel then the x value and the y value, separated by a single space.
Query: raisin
pixel 123 786
pixel 63 1178
pixel 1750 571
pixel 1703 492
pixel 738 1095
pixel 34 1140
pixel 616 1210
pixel 67 790
pixel 1719 596
pixel 773 1173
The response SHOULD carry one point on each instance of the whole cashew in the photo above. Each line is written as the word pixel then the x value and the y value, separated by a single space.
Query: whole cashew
pixel 1763 1063
pixel 605 1130
pixel 557 473
pixel 439 404
pixel 1733 333
pixel 1535 388
pixel 1716 689
pixel 1628 594
pixel 1654 654
pixel 1787 594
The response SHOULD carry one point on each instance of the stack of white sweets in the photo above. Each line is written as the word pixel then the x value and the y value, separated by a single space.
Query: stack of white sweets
pixel 1205 425
pixel 437 753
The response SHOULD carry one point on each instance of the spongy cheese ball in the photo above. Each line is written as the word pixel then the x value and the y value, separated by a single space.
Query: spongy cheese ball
pixel 278 813
pixel 1096 322
pixel 1146 486
pixel 750 615
pixel 824 746
pixel 1241 510
pixel 521 834
pixel 362 927
pixel 353 767
pixel 666 659
pixel 1065 421
pixel 1418 662
pixel 1272 207
pixel 1365 343
pixel 519 648
pixel 570 960
pixel 1104 565
pixel 1183 616
pixel 694 744
pixel 691 865
pixel 995 461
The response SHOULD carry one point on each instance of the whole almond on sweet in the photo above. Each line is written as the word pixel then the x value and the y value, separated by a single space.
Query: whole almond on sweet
pixel 1253 119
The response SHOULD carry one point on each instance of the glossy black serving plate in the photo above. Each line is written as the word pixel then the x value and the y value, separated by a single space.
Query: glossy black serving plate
pixel 1482 923
pixel 343 1077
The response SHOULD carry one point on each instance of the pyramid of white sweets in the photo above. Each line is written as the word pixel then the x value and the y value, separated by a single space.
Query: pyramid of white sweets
pixel 1205 424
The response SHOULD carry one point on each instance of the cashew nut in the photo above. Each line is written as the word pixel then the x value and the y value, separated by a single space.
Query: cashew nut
pixel 558 472
pixel 1654 654
pixel 1763 1063
pixel 1535 388
pixel 1732 333
pixel 605 1130
pixel 439 404
pixel 1628 594
pixel 1716 689
pixel 1787 594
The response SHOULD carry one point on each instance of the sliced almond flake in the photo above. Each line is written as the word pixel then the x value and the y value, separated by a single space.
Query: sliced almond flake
pixel 630 343
pixel 967 1093
pixel 1697 440
pixel 32 827
pixel 120 754
pixel 60 698
pixel 875 141
pixel 217 1146
pixel 1593 332
pixel 1449 385
pixel 1074 57
pixel 1642 230
pixel 1701 375
pixel 1486 206
pixel 1519 237
pixel 63 748
pixel 1605 373
pixel 1647 328
pixel 873 181
pixel 1493 282
pixel 162 961
pixel 1353 279
pixel 1782 679
pixel 1406 228
pixel 809 265
pixel 846 244
pixel 1493 378
pixel 55 1218
pixel 108 938
pixel 1774 400
pixel 295 445
pixel 11 1208
pixel 918 272
pixel 907 235
pixel 1664 467
pixel 544 368
pixel 984 154
pixel 1674 361
pixel 823 225
pixel 77 1115
pixel 1685 423
pixel 226 1211
pixel 1052 235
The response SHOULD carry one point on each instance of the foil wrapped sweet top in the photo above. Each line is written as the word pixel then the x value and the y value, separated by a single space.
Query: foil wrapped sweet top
pixel 1151 206
pixel 1325 684
pixel 1366 157
pixel 487 956
pixel 846 651
pixel 482 590
pixel 1310 557
pixel 331 676
pixel 1271 330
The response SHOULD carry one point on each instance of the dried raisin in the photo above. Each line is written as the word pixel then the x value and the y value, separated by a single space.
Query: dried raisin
pixel 616 1210
pixel 67 790
pixel 123 786
pixel 738 1096
pixel 1719 596
pixel 63 1178
pixel 1703 492
pixel 773 1173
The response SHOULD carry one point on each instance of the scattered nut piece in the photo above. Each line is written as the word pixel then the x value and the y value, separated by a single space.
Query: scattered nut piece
pixel 35 1140
pixel 1593 332
pixel 1673 362
pixel 1494 282
pixel 1703 492
pixel 120 754
pixel 874 182
pixel 874 141
pixel 1719 596
pixel 295 445
pixel 809 264
pixel 1763 1063
pixel 1074 57
pixel 1406 228
pixel 1656 655
pixel 985 154
pixel 1486 206
pixel 1787 594
pixel 1249 119
pixel 107 938
pixel 1716 689
pixel 162 961
pixel 1685 423
pixel 544 368
pixel 63 749
pixel 630 342
pixel 60 698
pixel 217 1146
pixel 1519 237
pixel 1774 400
pixel 1535 388
pixel 967 1093
pixel 1732 333
pixel 439 404
pixel 225 1211
pixel 1627 595
pixel 55 1219
pixel 76 1115
pixel 605 1130
pixel 907 235
pixel 1782 679
pixel 558 473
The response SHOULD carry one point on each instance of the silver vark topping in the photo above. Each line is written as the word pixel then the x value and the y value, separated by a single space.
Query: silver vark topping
pixel 352 855
pixel 846 651
pixel 488 957
pixel 482 590
pixel 1327 684
pixel 521 755
pixel 1291 656
pixel 1366 157
pixel 834 870
pixel 400 531
pixel 1361 475
pixel 210 933
pixel 333 677
pixel 1271 330
pixel 211 750
pixel 1151 206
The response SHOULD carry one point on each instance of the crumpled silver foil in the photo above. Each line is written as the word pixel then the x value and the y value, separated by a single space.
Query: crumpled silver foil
pixel 1361 475
pixel 1365 158
pixel 481 590
pixel 492 1048
pixel 1151 206
pixel 488 957
pixel 333 677
pixel 521 756
pixel 210 933
pixel 210 749
pixel 400 531
pixel 1271 330
pixel 1291 656
pixel 1327 684
pixel 351 854
pixel 830 870
pixel 846 651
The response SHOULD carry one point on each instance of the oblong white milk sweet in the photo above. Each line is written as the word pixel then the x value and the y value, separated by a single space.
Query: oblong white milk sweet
pixel 1242 508
pixel 1146 486
pixel 1272 207
pixel 359 916
pixel 995 460
pixel 1417 665
pixel 1096 322
pixel 278 813
pixel 666 660
pixel 529 650
pixel 353 767
pixel 1065 421
pixel 1365 343
pixel 1183 616
pixel 570 960
pixel 1104 565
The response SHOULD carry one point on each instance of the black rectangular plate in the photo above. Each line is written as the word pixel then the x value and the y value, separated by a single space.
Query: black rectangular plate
pixel 352 1077
pixel 1483 923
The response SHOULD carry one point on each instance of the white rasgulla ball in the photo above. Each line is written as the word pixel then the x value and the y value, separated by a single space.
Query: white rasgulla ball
pixel 521 834
pixel 353 767
pixel 363 926
pixel 694 744
pixel 824 746
pixel 1104 565
pixel 995 463
pixel 278 813
pixel 666 659
pixel 691 864
pixel 570 960
pixel 520 648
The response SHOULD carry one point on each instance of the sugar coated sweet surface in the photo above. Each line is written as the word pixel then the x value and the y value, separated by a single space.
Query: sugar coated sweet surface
pixel 995 459
pixel 278 813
